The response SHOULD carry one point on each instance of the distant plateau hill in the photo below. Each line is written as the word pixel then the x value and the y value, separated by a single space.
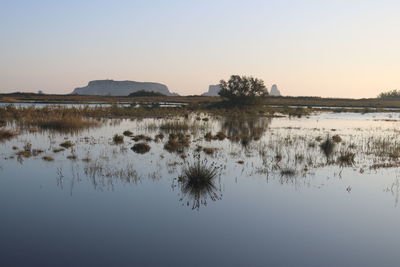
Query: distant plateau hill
pixel 121 88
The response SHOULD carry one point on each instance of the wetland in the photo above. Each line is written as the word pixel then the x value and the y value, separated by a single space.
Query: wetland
pixel 161 186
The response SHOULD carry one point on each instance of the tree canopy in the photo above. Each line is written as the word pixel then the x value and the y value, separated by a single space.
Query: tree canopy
pixel 390 94
pixel 243 89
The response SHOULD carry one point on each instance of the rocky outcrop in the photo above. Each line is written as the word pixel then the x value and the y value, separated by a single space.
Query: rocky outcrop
pixel 120 88
pixel 275 91
pixel 213 90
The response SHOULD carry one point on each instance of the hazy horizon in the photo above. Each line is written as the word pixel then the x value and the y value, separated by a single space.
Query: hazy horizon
pixel 316 48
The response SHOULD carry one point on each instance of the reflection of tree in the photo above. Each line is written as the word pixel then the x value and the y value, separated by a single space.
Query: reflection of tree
pixel 197 194
pixel 198 184
pixel 244 128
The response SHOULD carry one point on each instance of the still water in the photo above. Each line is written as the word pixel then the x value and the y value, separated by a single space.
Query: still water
pixel 110 206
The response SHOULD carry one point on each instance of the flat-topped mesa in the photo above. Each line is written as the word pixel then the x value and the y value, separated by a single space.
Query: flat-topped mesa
pixel 213 90
pixel 121 88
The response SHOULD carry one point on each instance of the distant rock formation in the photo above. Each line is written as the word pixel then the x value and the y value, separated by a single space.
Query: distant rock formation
pixel 213 90
pixel 121 88
pixel 275 91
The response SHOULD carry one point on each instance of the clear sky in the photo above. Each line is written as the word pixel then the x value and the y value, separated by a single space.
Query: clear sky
pixel 341 48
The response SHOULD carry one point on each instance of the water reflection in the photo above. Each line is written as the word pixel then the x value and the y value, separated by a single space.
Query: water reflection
pixel 244 128
pixel 198 183
pixel 196 195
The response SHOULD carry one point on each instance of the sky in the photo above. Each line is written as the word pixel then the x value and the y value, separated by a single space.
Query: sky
pixel 329 48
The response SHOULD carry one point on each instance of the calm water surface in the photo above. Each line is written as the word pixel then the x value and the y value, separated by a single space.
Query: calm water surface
pixel 114 207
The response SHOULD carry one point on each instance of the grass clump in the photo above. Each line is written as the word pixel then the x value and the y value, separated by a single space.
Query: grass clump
pixel 140 137
pixel 118 139
pixel 199 173
pixel 72 157
pixel 336 138
pixel 158 137
pixel 57 150
pixel 6 134
pixel 141 148
pixel 26 152
pixel 67 144
pixel 47 158
pixel 209 150
pixel 127 133
pixel 219 136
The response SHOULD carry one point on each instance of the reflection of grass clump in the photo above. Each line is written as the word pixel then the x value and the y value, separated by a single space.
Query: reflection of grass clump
pixel 118 139
pixel 177 143
pixel 288 172
pixel 327 146
pixel 141 148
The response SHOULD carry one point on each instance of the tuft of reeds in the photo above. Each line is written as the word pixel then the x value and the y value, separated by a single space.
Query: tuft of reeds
pixel 200 174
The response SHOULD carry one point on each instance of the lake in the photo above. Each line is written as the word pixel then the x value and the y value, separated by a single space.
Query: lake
pixel 321 190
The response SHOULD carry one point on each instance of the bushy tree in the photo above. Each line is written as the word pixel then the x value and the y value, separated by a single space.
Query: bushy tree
pixel 243 89
pixel 390 94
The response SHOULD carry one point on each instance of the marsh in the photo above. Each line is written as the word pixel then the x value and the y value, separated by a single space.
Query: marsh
pixel 276 188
